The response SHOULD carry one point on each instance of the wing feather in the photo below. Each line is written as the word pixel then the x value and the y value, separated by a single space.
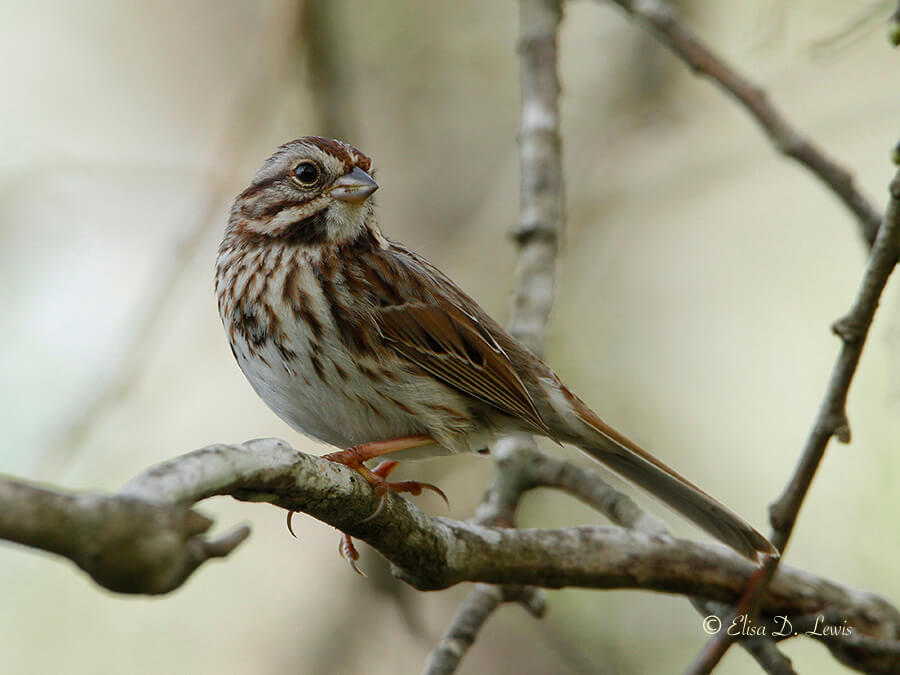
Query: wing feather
pixel 450 345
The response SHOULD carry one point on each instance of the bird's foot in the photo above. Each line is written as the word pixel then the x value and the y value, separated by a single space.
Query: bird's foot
pixel 355 457
pixel 349 553
pixel 377 478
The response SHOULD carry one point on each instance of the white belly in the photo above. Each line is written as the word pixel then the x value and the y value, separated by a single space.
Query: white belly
pixel 320 403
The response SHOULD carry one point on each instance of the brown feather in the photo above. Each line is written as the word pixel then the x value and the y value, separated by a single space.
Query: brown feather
pixel 447 343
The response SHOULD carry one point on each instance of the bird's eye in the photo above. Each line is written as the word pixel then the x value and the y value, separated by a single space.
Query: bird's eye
pixel 307 173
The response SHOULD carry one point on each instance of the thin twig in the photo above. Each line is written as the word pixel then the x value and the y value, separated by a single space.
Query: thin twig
pixel 471 615
pixel 539 470
pixel 854 28
pixel 853 329
pixel 831 419
pixel 769 657
pixel 663 22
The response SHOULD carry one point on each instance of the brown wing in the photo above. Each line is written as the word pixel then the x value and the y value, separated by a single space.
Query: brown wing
pixel 452 346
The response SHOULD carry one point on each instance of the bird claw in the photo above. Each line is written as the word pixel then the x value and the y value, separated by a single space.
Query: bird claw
pixel 415 488
pixel 377 478
pixel 378 509
pixel 349 553
pixel 345 545
pixel 381 484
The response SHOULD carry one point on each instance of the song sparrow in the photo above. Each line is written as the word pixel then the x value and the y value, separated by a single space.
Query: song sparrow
pixel 356 340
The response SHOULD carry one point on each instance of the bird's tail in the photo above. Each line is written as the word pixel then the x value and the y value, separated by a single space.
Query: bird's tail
pixel 609 447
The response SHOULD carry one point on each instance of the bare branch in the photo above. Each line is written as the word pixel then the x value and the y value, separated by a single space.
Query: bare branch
pixel 147 540
pixel 663 22
pixel 853 329
pixel 471 616
pixel 854 28
pixel 537 237
pixel 124 544
pixel 769 657
pixel 831 420
pixel 431 552
pixel 540 163
pixel 535 469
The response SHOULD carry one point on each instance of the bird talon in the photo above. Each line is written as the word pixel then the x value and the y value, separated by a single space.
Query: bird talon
pixel 440 493
pixel 377 478
pixel 349 553
pixel 290 515
pixel 378 509
pixel 415 488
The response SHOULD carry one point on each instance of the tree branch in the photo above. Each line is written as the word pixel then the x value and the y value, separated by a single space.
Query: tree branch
pixel 472 614
pixel 126 545
pixel 662 20
pixel 431 552
pixel 831 420
pixel 769 657
pixel 853 329
pixel 540 163
pixel 147 540
pixel 537 237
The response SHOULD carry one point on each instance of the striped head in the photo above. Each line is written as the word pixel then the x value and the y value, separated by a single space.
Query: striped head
pixel 311 191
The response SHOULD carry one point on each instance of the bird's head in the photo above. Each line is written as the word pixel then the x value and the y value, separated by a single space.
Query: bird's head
pixel 313 190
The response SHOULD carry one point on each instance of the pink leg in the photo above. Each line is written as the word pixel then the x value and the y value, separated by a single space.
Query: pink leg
pixel 377 478
pixel 361 453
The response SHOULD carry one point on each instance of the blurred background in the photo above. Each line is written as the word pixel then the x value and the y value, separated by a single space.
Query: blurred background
pixel 699 275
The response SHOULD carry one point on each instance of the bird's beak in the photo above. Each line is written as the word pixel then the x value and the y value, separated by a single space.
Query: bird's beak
pixel 354 187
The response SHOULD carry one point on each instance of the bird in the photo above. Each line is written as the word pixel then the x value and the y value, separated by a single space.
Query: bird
pixel 358 341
